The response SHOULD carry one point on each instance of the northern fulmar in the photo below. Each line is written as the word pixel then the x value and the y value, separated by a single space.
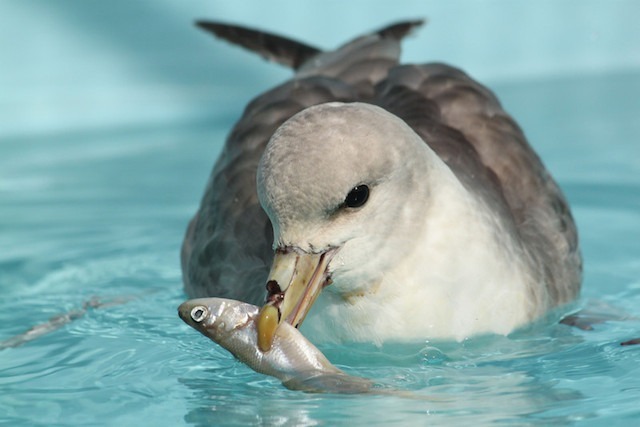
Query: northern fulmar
pixel 379 201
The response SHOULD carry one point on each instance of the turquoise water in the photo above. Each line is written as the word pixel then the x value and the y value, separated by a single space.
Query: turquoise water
pixel 111 116
pixel 102 213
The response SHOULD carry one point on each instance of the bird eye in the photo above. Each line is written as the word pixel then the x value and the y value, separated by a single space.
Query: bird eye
pixel 357 197
pixel 199 313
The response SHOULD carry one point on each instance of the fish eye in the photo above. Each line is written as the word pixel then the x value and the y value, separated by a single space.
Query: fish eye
pixel 199 313
pixel 357 197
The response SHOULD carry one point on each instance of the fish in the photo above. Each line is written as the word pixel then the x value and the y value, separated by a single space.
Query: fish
pixel 58 321
pixel 292 358
pixel 54 323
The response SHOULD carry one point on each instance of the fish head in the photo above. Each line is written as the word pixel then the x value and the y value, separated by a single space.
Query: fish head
pixel 216 318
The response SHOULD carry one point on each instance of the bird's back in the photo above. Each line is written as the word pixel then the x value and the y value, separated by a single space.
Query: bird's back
pixel 227 249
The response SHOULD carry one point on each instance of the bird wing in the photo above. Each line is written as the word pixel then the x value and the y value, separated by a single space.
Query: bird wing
pixel 227 249
pixel 464 123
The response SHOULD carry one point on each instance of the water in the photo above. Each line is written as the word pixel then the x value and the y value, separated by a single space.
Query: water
pixel 102 213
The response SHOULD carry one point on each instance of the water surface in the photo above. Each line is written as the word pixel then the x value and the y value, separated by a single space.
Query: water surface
pixel 102 213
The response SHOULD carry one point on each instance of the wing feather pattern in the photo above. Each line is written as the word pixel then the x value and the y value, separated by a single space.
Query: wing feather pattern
pixel 227 248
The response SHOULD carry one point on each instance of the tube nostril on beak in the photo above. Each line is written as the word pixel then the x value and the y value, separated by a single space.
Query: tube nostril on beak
pixel 273 287
pixel 274 292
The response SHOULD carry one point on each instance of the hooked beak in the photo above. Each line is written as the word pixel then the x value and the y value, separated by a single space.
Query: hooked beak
pixel 294 283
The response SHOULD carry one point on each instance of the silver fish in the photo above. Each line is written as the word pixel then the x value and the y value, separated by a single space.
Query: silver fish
pixel 58 321
pixel 292 358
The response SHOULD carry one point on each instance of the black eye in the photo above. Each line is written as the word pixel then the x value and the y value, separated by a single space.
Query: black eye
pixel 199 313
pixel 357 197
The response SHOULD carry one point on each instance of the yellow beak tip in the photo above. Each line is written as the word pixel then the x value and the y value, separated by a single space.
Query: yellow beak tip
pixel 268 321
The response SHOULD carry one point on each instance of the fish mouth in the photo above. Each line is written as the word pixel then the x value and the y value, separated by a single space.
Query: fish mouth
pixel 183 311
pixel 296 279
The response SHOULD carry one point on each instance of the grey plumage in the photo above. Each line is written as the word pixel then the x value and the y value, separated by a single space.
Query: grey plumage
pixel 227 249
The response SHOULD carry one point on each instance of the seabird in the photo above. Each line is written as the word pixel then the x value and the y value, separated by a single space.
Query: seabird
pixel 379 201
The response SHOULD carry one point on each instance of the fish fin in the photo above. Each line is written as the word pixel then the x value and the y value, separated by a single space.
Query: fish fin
pixel 288 52
pixel 596 312
pixel 339 383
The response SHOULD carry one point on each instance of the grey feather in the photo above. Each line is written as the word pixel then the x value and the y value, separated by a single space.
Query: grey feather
pixel 227 249
pixel 280 49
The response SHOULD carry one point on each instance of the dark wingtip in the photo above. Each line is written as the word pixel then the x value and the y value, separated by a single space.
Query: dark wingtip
pixel 285 51
pixel 213 27
pixel 631 342
pixel 400 30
